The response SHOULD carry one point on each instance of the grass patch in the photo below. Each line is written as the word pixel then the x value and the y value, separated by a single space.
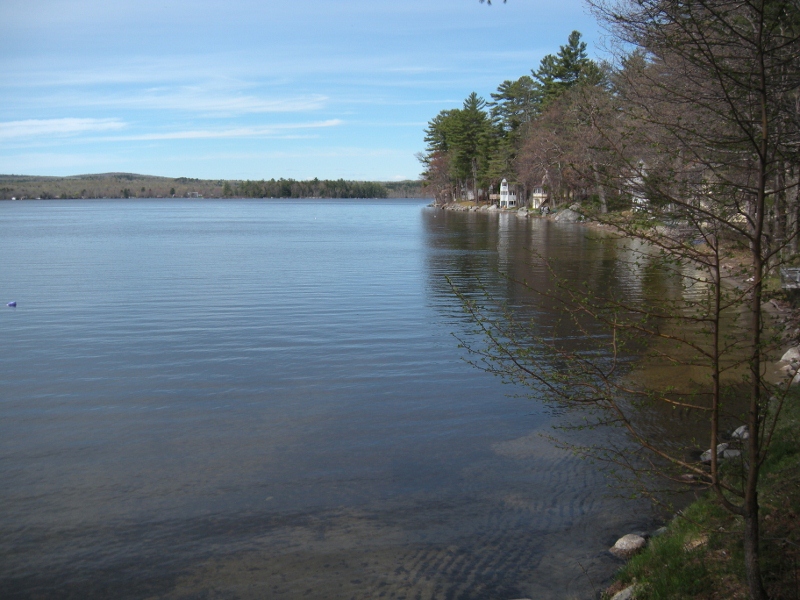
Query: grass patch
pixel 701 557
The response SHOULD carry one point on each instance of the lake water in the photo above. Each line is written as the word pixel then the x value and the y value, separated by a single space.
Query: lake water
pixel 265 399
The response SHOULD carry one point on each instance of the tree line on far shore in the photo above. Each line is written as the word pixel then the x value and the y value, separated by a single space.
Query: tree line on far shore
pixel 129 185
pixel 316 188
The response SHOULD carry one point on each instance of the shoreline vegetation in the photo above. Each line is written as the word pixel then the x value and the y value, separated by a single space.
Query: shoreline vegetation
pixel 699 553
pixel 686 141
pixel 131 185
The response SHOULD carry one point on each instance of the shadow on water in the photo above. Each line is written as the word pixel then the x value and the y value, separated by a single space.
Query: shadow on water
pixel 267 402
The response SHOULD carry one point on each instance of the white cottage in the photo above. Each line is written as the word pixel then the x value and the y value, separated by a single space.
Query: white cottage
pixel 538 197
pixel 507 200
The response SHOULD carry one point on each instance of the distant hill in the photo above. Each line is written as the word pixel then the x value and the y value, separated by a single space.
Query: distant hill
pixel 132 185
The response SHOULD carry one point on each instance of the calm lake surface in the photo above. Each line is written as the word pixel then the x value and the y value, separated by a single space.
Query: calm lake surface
pixel 264 399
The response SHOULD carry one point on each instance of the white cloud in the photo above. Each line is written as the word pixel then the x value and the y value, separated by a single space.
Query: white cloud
pixel 58 127
pixel 200 101
pixel 236 132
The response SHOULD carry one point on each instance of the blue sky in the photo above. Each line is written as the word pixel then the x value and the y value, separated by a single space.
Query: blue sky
pixel 254 89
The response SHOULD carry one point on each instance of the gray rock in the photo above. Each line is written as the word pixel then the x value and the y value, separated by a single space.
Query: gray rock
pixel 493 207
pixel 627 594
pixel 791 355
pixel 706 456
pixel 628 545
pixel 660 531
pixel 727 454
pixel 741 433
pixel 567 216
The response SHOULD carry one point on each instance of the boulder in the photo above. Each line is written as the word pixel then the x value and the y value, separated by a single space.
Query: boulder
pixel 628 545
pixel 706 456
pixel 741 433
pixel 493 207
pixel 791 355
pixel 567 216
pixel 629 593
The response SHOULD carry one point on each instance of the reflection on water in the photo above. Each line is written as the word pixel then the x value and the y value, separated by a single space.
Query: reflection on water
pixel 251 399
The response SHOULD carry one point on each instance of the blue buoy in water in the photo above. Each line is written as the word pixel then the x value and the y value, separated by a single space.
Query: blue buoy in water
pixel 12 303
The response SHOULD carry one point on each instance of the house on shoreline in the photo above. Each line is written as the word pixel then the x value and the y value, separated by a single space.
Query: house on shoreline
pixel 506 199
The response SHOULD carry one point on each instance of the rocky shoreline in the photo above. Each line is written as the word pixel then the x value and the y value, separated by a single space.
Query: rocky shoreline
pixel 565 215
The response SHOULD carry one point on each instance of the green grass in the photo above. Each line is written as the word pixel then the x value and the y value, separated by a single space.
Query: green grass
pixel 666 570
pixel 713 570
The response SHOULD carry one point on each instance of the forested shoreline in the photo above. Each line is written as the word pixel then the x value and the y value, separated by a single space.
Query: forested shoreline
pixel 603 133
pixel 129 185
pixel 534 132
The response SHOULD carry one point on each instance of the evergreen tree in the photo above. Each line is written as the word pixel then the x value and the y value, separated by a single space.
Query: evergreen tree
pixel 557 74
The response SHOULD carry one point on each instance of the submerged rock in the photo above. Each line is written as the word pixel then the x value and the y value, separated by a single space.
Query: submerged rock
pixel 628 545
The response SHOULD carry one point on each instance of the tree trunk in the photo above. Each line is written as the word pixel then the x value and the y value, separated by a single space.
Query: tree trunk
pixel 791 209
pixel 601 191
pixel 779 208
pixel 752 564
pixel 474 180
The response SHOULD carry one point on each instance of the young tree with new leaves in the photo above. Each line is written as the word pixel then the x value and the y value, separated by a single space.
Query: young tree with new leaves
pixel 707 132
pixel 702 133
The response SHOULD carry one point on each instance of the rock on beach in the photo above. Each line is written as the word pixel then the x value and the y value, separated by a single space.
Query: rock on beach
pixel 567 216
pixel 791 355
pixel 741 433
pixel 627 594
pixel 724 451
pixel 628 545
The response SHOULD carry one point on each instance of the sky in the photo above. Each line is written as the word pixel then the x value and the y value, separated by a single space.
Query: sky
pixel 255 89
